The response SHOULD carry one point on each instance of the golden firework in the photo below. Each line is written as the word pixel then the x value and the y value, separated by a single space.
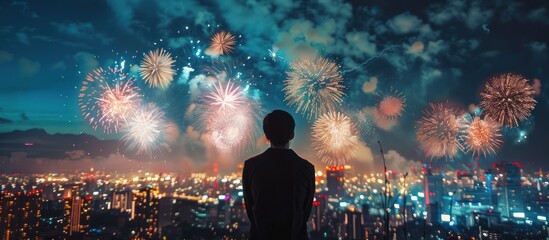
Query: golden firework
pixel 439 131
pixel 156 68
pixel 314 86
pixel 222 43
pixel 335 138
pixel 508 99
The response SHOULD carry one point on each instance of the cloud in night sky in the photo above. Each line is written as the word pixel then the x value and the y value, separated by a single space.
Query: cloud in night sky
pixel 28 68
pixel 83 31
pixel 86 61
pixel 397 162
pixel 538 47
pixel 5 56
pixel 471 12
pixel 23 38
pixel 5 120
pixel 404 23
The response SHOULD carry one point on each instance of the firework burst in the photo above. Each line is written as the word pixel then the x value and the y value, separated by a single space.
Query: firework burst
pixel 228 96
pixel 508 99
pixel 107 98
pixel 222 43
pixel 230 130
pixel 335 138
pixel 145 130
pixel 392 106
pixel 439 131
pixel 156 68
pixel 314 86
pixel 482 136
pixel 228 117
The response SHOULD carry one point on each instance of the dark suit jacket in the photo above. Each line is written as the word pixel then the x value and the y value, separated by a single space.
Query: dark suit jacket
pixel 278 192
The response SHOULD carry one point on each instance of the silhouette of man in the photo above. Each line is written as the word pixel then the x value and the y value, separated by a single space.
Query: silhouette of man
pixel 278 184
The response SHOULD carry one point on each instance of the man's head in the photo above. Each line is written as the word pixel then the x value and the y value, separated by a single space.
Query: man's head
pixel 279 127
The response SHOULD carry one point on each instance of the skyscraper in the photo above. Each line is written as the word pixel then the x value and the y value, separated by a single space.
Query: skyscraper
pixel 510 190
pixel 122 200
pixel 224 211
pixel 335 179
pixel 76 213
pixel 20 214
pixel 145 206
pixel 353 225
pixel 434 191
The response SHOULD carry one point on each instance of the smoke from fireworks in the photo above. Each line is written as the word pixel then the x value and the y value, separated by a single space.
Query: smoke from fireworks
pixel 314 86
pixel 508 99
pixel 156 68
pixel 392 106
pixel 439 130
pixel 228 117
pixel 482 136
pixel 335 138
pixel 107 97
pixel 222 43
pixel 145 130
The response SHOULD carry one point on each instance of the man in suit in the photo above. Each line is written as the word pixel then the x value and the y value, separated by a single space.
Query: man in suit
pixel 278 184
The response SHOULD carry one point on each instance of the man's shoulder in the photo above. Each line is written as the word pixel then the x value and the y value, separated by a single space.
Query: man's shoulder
pixel 253 159
pixel 304 162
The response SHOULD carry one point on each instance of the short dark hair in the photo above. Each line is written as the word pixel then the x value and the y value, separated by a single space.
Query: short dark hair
pixel 278 127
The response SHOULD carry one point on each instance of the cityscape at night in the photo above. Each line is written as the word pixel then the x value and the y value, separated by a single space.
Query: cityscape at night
pixel 141 119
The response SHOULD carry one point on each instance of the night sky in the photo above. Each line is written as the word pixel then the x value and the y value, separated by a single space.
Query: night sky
pixel 430 52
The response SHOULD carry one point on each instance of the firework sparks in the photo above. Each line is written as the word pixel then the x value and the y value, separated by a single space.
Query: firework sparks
pixel 230 130
pixel 229 117
pixel 228 96
pixel 156 68
pixel 508 99
pixel 222 43
pixel 482 136
pixel 145 129
pixel 439 130
pixel 107 97
pixel 392 106
pixel 314 86
pixel 335 138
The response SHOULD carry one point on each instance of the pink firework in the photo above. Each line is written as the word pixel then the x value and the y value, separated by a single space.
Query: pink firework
pixel 107 98
pixel 391 107
pixel 482 136
pixel 439 130
pixel 228 117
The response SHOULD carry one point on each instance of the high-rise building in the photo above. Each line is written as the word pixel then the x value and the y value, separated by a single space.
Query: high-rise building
pixel 76 213
pixel 318 213
pixel 238 212
pixel 335 180
pixel 122 200
pixel 353 225
pixel 145 212
pixel 434 192
pixel 224 211
pixel 20 214
pixel 509 185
